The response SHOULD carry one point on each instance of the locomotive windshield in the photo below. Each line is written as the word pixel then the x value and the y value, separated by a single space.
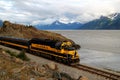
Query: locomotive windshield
pixel 69 48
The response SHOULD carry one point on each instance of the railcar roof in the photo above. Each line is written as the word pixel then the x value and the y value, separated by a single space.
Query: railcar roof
pixel 43 40
pixel 8 37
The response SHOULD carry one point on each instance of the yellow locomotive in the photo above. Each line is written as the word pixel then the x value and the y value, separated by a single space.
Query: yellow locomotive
pixel 61 51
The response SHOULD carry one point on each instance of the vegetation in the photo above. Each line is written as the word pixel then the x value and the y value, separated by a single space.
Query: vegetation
pixel 21 55
pixel 11 53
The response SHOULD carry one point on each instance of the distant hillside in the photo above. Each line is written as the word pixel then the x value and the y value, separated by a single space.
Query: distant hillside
pixel 1 23
pixel 57 25
pixel 111 22
pixel 22 31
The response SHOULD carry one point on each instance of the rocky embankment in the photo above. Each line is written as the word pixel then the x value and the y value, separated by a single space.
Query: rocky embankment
pixel 27 31
pixel 13 68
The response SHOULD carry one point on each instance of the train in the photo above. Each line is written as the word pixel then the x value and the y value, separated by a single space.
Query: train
pixel 60 51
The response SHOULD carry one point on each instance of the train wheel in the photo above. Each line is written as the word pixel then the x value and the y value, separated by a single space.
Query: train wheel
pixel 64 61
pixel 56 58
pixel 50 57
pixel 59 59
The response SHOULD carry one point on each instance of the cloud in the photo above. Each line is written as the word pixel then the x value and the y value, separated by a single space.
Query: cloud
pixel 47 11
pixel 43 21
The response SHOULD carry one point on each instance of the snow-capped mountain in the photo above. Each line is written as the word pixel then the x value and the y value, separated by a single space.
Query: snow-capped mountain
pixel 111 22
pixel 57 25
pixel 113 16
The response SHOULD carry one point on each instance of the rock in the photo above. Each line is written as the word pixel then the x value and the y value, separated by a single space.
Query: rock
pixel 65 76
pixel 52 66
pixel 36 73
pixel 42 70
pixel 83 78
pixel 3 72
pixel 6 54
pixel 1 49
pixel 51 79
pixel 17 60
pixel 57 75
pixel 42 78
pixel 17 70
pixel 32 78
pixel 3 52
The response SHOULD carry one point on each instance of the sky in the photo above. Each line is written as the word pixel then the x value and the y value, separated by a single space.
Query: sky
pixel 47 11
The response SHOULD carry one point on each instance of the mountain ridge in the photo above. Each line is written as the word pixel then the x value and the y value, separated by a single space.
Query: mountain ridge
pixel 110 22
pixel 59 25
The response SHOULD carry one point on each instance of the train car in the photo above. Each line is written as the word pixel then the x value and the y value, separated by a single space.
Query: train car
pixel 61 51
pixel 17 43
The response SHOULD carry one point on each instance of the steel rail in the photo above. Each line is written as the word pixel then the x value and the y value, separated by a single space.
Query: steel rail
pixel 106 74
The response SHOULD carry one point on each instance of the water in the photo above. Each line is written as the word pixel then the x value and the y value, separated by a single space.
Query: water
pixel 99 48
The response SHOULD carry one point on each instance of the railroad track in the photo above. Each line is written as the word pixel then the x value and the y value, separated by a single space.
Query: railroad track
pixel 107 75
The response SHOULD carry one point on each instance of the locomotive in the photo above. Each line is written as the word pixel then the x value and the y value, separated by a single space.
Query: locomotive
pixel 61 51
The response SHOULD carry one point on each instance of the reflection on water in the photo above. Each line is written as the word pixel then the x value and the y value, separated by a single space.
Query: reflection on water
pixel 99 48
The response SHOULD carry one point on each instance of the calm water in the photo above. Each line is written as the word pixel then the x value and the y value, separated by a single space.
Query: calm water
pixel 100 48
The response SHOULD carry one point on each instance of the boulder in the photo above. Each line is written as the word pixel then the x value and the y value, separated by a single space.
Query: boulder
pixel 5 54
pixel 52 66
pixel 17 60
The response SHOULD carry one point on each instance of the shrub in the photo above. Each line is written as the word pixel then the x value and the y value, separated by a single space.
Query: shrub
pixel 23 56
pixel 11 53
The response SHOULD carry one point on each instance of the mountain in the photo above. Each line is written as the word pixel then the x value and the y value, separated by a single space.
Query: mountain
pixel 57 25
pixel 1 23
pixel 110 22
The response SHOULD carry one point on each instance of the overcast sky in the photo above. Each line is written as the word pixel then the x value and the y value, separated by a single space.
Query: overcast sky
pixel 47 11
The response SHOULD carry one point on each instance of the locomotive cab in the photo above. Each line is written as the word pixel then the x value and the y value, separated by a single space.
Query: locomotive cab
pixel 70 51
